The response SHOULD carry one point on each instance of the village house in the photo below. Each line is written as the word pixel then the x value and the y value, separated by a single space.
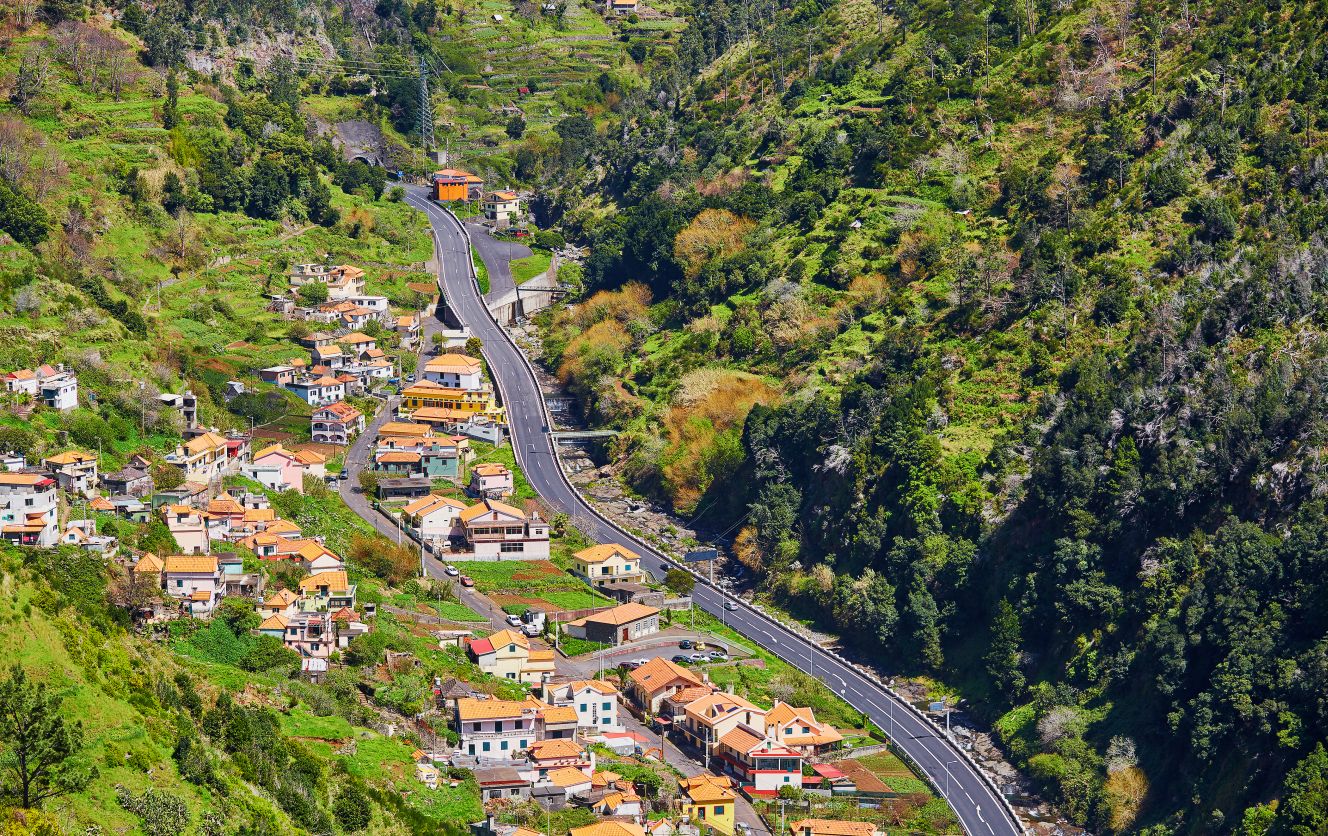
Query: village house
pixel 548 755
pixel 281 602
pixel 569 780
pixel 657 679
pixel 454 184
pixel 427 393
pixel 616 798
pixel 491 480
pixel 622 7
pixel 203 458
pixel 709 800
pixel 22 382
pixel 329 357
pixel 83 533
pixel 501 207
pixel 327 591
pixel 310 634
pixel 278 375
pixel 57 388
pixel 408 329
pixel 318 391
pixel 706 720
pixel 594 701
pixel 609 827
pixel 497 531
pixel 494 728
pixel 378 304
pixel 455 371
pixel 620 624
pixel 74 471
pixel 336 423
pixel 799 729
pixel 277 468
pixel 343 281
pixel 556 722
pixel 133 479
pixel 507 654
pixel 608 564
pixel 235 581
pixel 356 343
pixel 189 528
pixel 435 518
pixel 194 579
pixel 501 782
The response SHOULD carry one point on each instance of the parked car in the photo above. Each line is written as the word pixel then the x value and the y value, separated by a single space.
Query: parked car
pixel 681 659
pixel 452 571
pixel 685 644
pixel 730 606
pixel 467 581
pixel 514 620
pixel 530 630
pixel 698 657
pixel 718 656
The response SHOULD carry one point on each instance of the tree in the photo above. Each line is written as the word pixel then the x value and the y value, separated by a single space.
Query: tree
pixel 1002 657
pixel 170 112
pixel 172 195
pixel 1305 809
pixel 23 218
pixel 368 482
pixel 352 809
pixel 131 591
pixel 34 72
pixel 679 582
pixel 313 293
pixel 166 476
pixel 39 744
pixel 516 127
pixel 474 347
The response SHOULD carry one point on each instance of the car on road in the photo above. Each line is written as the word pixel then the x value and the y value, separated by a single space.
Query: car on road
pixel 685 644
pixel 699 657
pixel 681 658
pixel 514 620
pixel 451 570
pixel 730 606
pixel 466 580
pixel 530 630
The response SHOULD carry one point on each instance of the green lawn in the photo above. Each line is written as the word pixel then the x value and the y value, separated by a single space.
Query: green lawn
pixel 481 272
pixel 532 579
pixel 525 269
pixel 300 723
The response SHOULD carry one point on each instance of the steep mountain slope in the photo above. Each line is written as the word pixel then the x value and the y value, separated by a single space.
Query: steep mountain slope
pixel 994 335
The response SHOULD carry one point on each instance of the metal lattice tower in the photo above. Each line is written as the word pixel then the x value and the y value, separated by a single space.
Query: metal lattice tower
pixel 426 109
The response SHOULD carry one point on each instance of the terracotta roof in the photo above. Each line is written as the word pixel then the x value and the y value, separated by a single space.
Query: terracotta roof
pixel 608 828
pixel 741 740
pixel 659 672
pixel 502 195
pixel 690 693
pixel 341 409
pixel 404 428
pixel 506 636
pixel 718 705
pixel 555 748
pixel 459 363
pixel 335 581
pixel 831 827
pixel 541 656
pixel 70 457
pixel 433 502
pixel 479 509
pixel 705 789
pixel 275 449
pixel 356 338
pixel 260 514
pixel 190 563
pixel 309 457
pixel 149 562
pixel 619 615
pixel 399 457
pixel 345 614
pixel 276 621
pixel 202 443
pixel 312 550
pixel 604 551
pixel 22 374
pixel 280 598
pixel 327 381
pixel 200 595
pixel 101 503
pixel 559 714
pixel 567 776
pixel 282 527
pixel 597 685
pixel 490 469
pixel 225 504
pixel 469 708
pixel 23 478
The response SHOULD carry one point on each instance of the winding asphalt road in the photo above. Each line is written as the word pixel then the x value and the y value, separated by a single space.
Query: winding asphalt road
pixel 497 257
pixel 976 803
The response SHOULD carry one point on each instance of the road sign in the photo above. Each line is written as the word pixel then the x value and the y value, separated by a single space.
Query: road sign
pixel 700 556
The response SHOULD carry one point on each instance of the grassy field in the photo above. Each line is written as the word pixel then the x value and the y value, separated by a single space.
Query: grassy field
pixel 537 583
pixel 525 269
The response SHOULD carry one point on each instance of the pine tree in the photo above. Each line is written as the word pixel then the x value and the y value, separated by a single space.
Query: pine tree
pixel 170 113
pixel 38 742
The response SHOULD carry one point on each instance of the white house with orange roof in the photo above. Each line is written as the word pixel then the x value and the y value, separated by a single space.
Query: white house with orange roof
pixel 22 382
pixel 336 423
pixel 343 281
pixel 495 728
pixel 498 531
pixel 501 207
pixel 798 728
pixel 435 518
pixel 202 458
pixel 491 479
pixel 548 755
pixel 607 564
pixel 318 391
pixel 280 469
pixel 709 718
pixel 569 779
pixel 594 700
pixel 326 592
pixel 195 579
pixel 455 371
pixel 189 527
pixel 507 654
pixel 658 679
pixel 75 471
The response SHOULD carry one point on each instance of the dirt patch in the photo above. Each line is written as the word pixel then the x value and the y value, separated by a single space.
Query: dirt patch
pixel 534 574
pixel 863 778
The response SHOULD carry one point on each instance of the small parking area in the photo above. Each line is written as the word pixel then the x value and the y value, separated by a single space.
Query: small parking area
pixel 667 643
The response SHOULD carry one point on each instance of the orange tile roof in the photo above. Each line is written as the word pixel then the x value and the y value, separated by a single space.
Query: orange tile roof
pixel 619 615
pixel 276 621
pixel 659 672
pixel 469 708
pixel 478 510
pixel 741 740
pixel 335 581
pixel 707 789
pixel 280 599
pixel 604 551
pixel 460 363
pixel 555 748
pixel 149 562
pixel 191 563
pixel 831 827
pixel 70 457
pixel 567 776
pixel 608 827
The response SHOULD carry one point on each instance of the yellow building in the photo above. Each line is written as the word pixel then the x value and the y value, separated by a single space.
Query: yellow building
pixel 608 564
pixel 709 800
pixel 507 655
pixel 427 394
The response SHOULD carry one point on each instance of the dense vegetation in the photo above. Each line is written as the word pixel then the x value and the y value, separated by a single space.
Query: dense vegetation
pixel 994 336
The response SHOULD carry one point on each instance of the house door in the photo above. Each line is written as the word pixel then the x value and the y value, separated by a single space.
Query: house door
pixel 624 635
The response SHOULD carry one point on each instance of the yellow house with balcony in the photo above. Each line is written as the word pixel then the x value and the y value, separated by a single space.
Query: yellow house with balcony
pixel 709 800
pixel 608 564
pixel 426 394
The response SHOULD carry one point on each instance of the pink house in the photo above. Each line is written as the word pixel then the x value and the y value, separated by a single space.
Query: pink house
pixel 277 468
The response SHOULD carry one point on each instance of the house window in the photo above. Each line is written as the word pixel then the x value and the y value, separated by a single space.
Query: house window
pixel 471 748
pixel 512 547
pixel 605 721
pixel 608 706
pixel 701 811
pixel 503 746
pixel 719 811
pixel 486 748
pixel 523 743
pixel 627 567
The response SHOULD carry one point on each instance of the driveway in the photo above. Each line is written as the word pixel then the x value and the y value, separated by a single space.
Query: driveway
pixel 497 257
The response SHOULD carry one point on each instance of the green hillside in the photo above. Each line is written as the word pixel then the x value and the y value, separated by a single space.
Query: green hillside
pixel 991 336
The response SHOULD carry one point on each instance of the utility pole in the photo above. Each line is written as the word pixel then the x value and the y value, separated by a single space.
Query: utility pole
pixel 426 110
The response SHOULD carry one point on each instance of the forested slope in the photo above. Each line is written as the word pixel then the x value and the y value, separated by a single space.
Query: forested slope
pixel 995 335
